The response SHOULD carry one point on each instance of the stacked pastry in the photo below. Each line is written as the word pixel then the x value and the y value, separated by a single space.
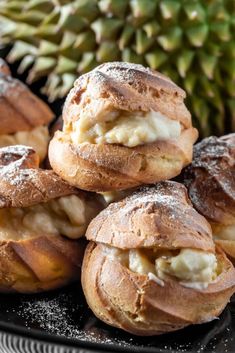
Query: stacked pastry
pixel 124 126
pixel 23 116
pixel 151 265
pixel 211 184
pixel 40 216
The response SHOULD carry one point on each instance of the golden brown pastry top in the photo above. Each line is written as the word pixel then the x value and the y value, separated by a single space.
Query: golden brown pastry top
pixel 23 183
pixel 211 178
pixel 4 68
pixel 161 216
pixel 124 86
pixel 20 109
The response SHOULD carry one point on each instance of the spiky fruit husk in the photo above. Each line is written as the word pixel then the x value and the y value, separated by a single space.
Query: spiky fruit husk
pixel 193 42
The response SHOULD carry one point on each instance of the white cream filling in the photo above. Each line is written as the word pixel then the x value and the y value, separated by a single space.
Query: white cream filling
pixel 127 129
pixel 36 138
pixel 68 215
pixel 193 268
pixel 224 232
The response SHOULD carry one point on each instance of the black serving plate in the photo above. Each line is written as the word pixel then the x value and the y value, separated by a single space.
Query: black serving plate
pixel 63 317
pixel 52 321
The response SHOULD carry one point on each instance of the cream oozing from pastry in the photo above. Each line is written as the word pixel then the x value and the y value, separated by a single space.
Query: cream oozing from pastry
pixel 224 232
pixel 37 138
pixel 68 215
pixel 193 268
pixel 128 129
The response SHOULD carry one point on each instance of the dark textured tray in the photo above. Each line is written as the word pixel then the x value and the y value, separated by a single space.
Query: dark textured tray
pixel 63 317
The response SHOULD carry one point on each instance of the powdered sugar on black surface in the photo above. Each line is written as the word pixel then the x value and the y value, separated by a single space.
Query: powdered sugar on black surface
pixel 64 313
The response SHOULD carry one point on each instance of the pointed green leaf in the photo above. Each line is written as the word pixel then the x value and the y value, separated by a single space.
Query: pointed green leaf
pixel 106 28
pixel 202 112
pixel 19 50
pixel 229 86
pixel 41 67
pixel 87 9
pixel 67 83
pixel 208 64
pixel 194 11
pixel 190 82
pixel 170 9
pixel 51 87
pixel 143 8
pixel 229 68
pixel 126 36
pixel 130 56
pixel 151 28
pixel 65 65
pixel 87 63
pixel 156 58
pixel 47 48
pixel 85 42
pixel 25 64
pixel 143 43
pixel 171 40
pixel 183 61
pixel 221 30
pixel 197 35
pixel 113 7
pixel 45 6
pixel 70 20
pixel 107 51
pixel 68 40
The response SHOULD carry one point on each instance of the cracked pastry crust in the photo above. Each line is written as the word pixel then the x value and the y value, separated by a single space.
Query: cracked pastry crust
pixel 102 114
pixel 160 223
pixel 210 180
pixel 36 215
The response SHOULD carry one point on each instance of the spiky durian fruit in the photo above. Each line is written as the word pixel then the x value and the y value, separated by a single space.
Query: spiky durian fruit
pixel 193 42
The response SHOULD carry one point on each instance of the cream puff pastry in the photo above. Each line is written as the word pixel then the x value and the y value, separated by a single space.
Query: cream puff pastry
pixel 40 218
pixel 23 116
pixel 151 265
pixel 210 180
pixel 124 126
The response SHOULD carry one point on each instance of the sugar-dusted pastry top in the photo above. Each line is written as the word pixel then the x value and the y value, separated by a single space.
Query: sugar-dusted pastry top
pixel 152 267
pixel 160 216
pixel 128 87
pixel 24 184
pixel 126 104
pixel 20 109
pixel 210 179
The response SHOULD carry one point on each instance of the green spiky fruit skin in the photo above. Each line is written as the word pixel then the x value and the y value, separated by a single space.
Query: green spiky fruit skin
pixel 191 41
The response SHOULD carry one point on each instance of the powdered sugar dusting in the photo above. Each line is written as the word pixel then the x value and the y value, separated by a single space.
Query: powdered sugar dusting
pixel 8 83
pixel 165 194
pixel 12 159
pixel 211 177
pixel 55 316
pixel 210 152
